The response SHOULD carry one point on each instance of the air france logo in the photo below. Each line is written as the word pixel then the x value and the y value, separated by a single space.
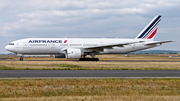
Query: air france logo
pixel 45 41
pixel 65 41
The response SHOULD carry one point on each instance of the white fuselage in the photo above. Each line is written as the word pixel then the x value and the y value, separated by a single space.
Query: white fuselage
pixel 36 46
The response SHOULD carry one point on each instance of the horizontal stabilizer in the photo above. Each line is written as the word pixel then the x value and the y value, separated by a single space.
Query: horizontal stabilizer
pixel 154 43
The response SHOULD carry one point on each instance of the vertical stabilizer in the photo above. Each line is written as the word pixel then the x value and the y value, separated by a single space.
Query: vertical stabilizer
pixel 150 30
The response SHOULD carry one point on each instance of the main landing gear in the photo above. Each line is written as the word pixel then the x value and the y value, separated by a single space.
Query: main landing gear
pixel 21 58
pixel 88 59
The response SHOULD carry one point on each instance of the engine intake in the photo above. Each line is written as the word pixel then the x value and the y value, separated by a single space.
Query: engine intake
pixel 73 53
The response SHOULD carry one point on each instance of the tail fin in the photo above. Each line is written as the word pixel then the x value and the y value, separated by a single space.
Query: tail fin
pixel 150 30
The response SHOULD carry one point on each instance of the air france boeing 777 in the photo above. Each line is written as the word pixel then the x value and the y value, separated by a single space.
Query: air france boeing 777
pixel 78 48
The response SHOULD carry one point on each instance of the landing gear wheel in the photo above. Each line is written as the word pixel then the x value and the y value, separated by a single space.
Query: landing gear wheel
pixel 95 59
pixel 88 59
pixel 21 59
pixel 81 59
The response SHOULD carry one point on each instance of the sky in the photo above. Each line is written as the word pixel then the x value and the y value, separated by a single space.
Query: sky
pixel 88 19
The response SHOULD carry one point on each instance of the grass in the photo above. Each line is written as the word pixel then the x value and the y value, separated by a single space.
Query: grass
pixel 67 67
pixel 2 67
pixel 132 62
pixel 101 89
pixel 96 98
pixel 71 65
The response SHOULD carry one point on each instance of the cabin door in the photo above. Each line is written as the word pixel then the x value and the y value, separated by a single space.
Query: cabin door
pixel 24 46
pixel 52 47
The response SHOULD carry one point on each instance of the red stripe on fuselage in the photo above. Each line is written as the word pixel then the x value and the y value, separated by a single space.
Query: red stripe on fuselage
pixel 152 35
pixel 65 41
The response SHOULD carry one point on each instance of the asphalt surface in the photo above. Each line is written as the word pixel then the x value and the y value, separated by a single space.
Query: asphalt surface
pixel 89 73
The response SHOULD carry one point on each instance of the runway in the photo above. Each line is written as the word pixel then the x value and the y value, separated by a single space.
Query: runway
pixel 89 73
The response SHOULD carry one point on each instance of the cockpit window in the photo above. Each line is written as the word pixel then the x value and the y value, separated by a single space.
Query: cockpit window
pixel 11 43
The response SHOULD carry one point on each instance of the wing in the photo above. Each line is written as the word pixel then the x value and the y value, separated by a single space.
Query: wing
pixel 155 43
pixel 108 46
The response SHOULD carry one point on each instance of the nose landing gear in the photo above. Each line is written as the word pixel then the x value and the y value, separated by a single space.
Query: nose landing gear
pixel 21 58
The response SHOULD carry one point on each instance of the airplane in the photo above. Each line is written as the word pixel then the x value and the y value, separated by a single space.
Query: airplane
pixel 79 48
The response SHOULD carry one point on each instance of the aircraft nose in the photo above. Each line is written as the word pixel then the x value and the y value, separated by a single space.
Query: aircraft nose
pixel 10 48
pixel 6 48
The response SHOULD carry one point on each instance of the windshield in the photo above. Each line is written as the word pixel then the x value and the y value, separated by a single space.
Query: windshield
pixel 11 43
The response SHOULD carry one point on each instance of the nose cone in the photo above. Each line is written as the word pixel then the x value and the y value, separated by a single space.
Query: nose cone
pixel 7 48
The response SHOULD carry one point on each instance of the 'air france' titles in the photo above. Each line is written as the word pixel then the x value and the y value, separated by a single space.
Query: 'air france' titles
pixel 45 41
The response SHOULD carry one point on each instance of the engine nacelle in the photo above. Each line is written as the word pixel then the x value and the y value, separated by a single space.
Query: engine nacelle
pixel 73 53
pixel 59 56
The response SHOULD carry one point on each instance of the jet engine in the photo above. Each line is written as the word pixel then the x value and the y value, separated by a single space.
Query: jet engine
pixel 59 56
pixel 73 53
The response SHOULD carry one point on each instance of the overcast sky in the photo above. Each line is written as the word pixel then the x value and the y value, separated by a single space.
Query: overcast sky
pixel 89 19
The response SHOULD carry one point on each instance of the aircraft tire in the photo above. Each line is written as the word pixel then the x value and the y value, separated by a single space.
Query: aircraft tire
pixel 88 59
pixel 21 59
pixel 97 59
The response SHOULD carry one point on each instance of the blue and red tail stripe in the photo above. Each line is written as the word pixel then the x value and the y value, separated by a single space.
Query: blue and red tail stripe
pixel 150 30
pixel 152 35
